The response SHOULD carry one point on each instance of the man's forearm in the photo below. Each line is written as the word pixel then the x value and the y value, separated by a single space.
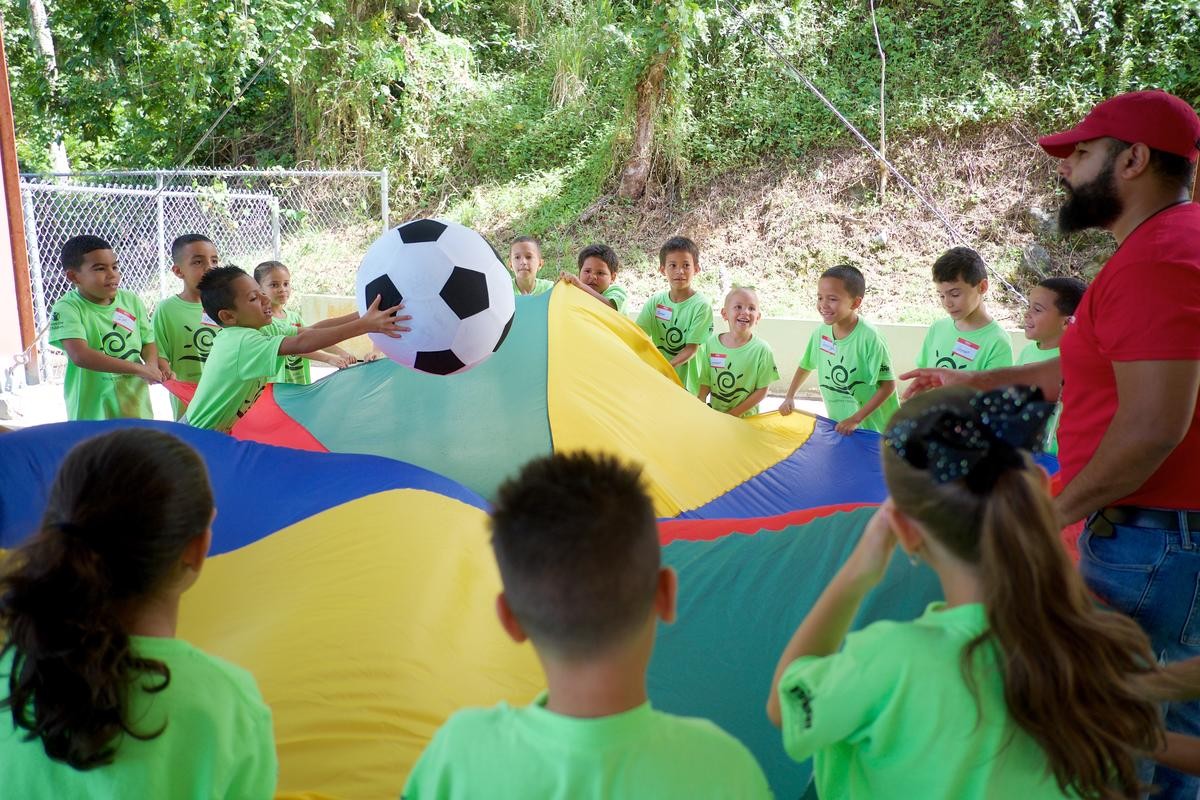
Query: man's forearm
pixel 1046 375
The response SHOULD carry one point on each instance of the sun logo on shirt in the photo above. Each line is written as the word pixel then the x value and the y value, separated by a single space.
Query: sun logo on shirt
pixel 725 387
pixel 841 378
pixel 201 344
pixel 946 361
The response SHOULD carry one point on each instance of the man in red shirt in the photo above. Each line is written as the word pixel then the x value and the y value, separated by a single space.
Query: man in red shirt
pixel 1129 438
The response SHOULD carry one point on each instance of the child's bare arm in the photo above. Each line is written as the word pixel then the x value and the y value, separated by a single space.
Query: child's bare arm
pixel 851 423
pixel 789 402
pixel 750 402
pixel 376 320
pixel 574 281
pixel 335 321
pixel 1181 752
pixel 704 393
pixel 685 354
pixel 85 356
pixel 150 358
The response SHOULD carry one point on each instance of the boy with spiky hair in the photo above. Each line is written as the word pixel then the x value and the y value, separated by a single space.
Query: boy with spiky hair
pixel 680 319
pixel 576 542
pixel 106 334
pixel 245 357
pixel 183 332
pixel 853 363
pixel 968 338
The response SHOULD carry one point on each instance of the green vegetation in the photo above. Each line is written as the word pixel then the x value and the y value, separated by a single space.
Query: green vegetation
pixel 519 115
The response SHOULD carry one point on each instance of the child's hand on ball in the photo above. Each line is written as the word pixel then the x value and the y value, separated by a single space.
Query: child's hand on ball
pixel 387 320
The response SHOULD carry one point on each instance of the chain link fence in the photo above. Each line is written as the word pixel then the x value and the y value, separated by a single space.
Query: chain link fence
pixel 317 220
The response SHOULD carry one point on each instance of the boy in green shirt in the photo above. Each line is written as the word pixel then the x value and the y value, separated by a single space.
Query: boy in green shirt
pixel 577 545
pixel 525 259
pixel 737 367
pixel 183 332
pixel 969 339
pixel 106 334
pixel 598 266
pixel 853 363
pixel 244 356
pixel 680 319
pixel 1052 305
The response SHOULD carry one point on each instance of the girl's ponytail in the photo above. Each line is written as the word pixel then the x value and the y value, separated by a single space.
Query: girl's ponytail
pixel 1073 672
pixel 65 596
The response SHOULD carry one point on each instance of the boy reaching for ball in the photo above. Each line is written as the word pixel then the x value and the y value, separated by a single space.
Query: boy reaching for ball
pixel 244 356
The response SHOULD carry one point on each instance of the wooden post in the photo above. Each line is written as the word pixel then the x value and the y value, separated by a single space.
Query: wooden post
pixel 16 220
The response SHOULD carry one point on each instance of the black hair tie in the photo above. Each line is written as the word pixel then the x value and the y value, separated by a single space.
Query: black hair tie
pixel 976 446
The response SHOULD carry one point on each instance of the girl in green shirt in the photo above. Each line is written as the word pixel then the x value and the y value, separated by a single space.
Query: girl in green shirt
pixel 1018 685
pixel 276 281
pixel 98 698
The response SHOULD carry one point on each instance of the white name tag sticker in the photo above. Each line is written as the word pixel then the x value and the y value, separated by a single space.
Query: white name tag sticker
pixel 718 360
pixel 124 318
pixel 828 346
pixel 664 312
pixel 205 319
pixel 965 349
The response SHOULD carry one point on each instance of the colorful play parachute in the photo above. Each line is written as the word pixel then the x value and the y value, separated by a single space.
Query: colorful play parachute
pixel 358 585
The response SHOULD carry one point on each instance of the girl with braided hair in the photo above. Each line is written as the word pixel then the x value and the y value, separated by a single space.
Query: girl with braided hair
pixel 1018 685
pixel 98 699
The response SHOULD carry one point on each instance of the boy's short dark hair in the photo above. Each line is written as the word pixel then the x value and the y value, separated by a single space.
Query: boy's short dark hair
pixel 960 263
pixel 533 240
pixel 1068 292
pixel 602 252
pixel 851 278
pixel 183 241
pixel 577 545
pixel 75 248
pixel 678 244
pixel 216 290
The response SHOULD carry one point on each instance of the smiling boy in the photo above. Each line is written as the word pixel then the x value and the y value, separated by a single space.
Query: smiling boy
pixel 106 334
pixel 244 356
pixel 853 363
pixel 736 367
pixel 968 338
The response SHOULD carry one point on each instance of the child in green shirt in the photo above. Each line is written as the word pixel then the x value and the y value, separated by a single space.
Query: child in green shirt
pixel 1052 305
pixel 680 319
pixel 577 546
pixel 98 699
pixel 737 367
pixel 183 332
pixel 276 280
pixel 598 266
pixel 853 363
pixel 525 259
pixel 106 334
pixel 969 339
pixel 245 356
pixel 1018 684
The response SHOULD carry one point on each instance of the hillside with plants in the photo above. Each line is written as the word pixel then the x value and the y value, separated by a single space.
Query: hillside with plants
pixel 583 120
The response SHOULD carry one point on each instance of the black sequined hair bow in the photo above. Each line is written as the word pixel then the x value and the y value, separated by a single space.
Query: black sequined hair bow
pixel 976 445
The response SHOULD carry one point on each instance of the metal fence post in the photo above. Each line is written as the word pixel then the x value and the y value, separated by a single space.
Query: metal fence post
pixel 35 273
pixel 161 224
pixel 275 228
pixel 384 203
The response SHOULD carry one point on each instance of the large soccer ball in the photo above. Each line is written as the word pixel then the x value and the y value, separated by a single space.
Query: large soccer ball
pixel 451 282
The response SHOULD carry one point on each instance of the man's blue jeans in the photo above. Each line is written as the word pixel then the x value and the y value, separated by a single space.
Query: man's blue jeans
pixel 1154 576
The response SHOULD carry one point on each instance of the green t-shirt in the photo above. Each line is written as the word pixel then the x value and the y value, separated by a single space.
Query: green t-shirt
pixel 218 742
pixel 539 285
pixel 850 370
pixel 673 326
pixel 890 716
pixel 506 753
pixel 734 373
pixel 617 295
pixel 947 347
pixel 295 369
pixel 120 330
pixel 184 336
pixel 241 363
pixel 1032 354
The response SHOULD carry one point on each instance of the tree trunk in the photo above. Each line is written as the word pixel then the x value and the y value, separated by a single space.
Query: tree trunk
pixel 43 45
pixel 649 95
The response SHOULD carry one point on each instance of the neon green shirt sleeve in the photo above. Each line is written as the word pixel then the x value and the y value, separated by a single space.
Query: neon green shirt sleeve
pixel 618 297
pixel 240 364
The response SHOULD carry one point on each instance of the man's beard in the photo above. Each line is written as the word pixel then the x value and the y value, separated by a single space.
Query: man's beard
pixel 1092 205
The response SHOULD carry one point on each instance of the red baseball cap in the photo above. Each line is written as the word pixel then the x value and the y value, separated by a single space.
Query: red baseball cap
pixel 1158 120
